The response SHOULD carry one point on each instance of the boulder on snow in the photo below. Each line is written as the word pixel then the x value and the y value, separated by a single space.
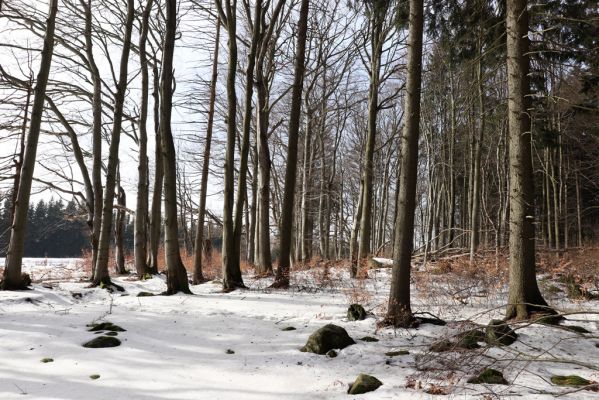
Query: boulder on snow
pixel 489 376
pixel 327 338
pixel 105 326
pixel 498 333
pixel 288 328
pixel 102 342
pixel 569 380
pixel 364 383
pixel 356 312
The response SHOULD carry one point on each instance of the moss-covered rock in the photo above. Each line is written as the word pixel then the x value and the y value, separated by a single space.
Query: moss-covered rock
pixel 47 360
pixel 288 328
pixel 569 380
pixel 94 376
pixel 364 383
pixel 332 354
pixel 498 333
pixel 105 326
pixel 489 376
pixel 470 339
pixel 145 294
pixel 229 351
pixel 369 339
pixel 111 333
pixel 356 312
pixel 327 338
pixel 397 353
pixel 102 342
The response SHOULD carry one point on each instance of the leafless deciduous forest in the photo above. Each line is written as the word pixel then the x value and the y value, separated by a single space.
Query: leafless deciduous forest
pixel 281 134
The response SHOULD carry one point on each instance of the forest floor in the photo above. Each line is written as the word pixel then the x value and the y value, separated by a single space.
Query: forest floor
pixel 215 345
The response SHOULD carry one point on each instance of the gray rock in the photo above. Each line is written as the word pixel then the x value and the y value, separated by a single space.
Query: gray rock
pixel 364 384
pixel 327 338
pixel 356 312
pixel 102 342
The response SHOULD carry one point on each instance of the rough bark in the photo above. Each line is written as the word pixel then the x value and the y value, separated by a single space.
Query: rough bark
pixel 399 311
pixel 524 296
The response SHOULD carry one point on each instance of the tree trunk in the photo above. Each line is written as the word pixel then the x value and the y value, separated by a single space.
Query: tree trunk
pixel 524 296
pixel 378 16
pixel 476 179
pixel 232 278
pixel 12 279
pixel 282 275
pixel 176 275
pixel 156 212
pixel 101 275
pixel 198 276
pixel 264 264
pixel 95 201
pixel 119 228
pixel 231 275
pixel 399 312
pixel 141 210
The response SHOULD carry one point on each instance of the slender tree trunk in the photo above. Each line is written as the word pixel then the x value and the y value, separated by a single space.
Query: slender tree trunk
pixel 101 268
pixel 578 213
pixel 231 273
pixel 95 201
pixel 264 256
pixel 353 241
pixel 378 16
pixel 141 209
pixel 232 278
pixel 399 312
pixel 198 276
pixel 156 211
pixel 524 296
pixel 12 279
pixel 18 158
pixel 176 275
pixel 476 179
pixel 282 275
pixel 119 228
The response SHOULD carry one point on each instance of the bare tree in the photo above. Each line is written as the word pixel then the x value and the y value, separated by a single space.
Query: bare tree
pixel 12 273
pixel 176 275
pixel 101 275
pixel 198 276
pixel 399 312
pixel 282 274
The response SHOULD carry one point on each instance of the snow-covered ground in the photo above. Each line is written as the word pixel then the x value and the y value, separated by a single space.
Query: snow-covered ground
pixel 176 347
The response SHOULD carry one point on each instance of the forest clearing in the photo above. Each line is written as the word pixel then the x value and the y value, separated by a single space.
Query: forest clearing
pixel 299 199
